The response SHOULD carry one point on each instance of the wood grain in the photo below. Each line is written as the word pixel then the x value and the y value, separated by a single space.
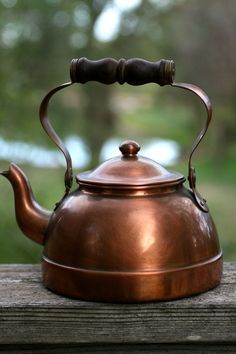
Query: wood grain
pixel 33 317
pixel 121 348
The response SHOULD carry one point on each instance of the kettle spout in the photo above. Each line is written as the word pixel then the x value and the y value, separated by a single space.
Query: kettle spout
pixel 31 217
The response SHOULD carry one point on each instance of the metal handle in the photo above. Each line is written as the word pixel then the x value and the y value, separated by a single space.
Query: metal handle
pixel 132 71
pixel 191 170
pixel 107 71
pixel 43 115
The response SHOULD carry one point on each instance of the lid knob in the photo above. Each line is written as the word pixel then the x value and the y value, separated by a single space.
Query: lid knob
pixel 129 148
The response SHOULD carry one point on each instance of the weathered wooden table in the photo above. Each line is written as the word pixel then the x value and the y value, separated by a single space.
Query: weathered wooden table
pixel 34 320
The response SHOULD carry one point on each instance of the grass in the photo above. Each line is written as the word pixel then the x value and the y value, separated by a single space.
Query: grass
pixel 215 183
pixel 221 201
pixel 48 188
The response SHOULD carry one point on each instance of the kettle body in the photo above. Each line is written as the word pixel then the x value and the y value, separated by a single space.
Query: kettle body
pixel 132 248
pixel 131 231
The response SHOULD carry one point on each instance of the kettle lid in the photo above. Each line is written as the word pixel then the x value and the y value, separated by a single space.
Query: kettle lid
pixel 130 170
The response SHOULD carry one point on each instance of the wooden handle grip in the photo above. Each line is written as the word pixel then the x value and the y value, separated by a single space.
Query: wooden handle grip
pixel 133 71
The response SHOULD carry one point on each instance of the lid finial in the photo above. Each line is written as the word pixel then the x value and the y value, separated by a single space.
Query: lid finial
pixel 129 148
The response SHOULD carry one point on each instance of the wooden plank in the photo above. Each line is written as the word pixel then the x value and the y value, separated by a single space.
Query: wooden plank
pixel 30 314
pixel 122 348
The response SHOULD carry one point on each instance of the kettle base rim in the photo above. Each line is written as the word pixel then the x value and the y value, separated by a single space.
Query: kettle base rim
pixel 132 287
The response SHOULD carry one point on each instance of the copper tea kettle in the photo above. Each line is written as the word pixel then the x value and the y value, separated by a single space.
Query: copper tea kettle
pixel 131 232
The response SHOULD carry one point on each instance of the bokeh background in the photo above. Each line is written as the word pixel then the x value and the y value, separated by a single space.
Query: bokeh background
pixel 38 39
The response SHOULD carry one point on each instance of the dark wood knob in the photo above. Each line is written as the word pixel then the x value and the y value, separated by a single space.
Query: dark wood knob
pixel 133 71
pixel 129 148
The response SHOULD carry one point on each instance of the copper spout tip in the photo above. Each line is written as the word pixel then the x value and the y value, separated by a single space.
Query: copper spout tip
pixel 4 173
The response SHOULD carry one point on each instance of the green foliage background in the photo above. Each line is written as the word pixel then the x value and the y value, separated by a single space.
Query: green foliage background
pixel 38 39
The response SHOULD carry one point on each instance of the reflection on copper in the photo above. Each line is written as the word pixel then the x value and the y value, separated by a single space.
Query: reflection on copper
pixel 131 231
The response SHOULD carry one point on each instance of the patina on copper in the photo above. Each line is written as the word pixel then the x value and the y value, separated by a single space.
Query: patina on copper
pixel 131 231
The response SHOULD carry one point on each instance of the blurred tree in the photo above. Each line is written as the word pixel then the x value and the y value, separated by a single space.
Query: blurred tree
pixel 38 40
pixel 202 36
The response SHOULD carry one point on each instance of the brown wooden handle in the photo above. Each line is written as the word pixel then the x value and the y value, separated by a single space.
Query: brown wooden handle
pixel 133 71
